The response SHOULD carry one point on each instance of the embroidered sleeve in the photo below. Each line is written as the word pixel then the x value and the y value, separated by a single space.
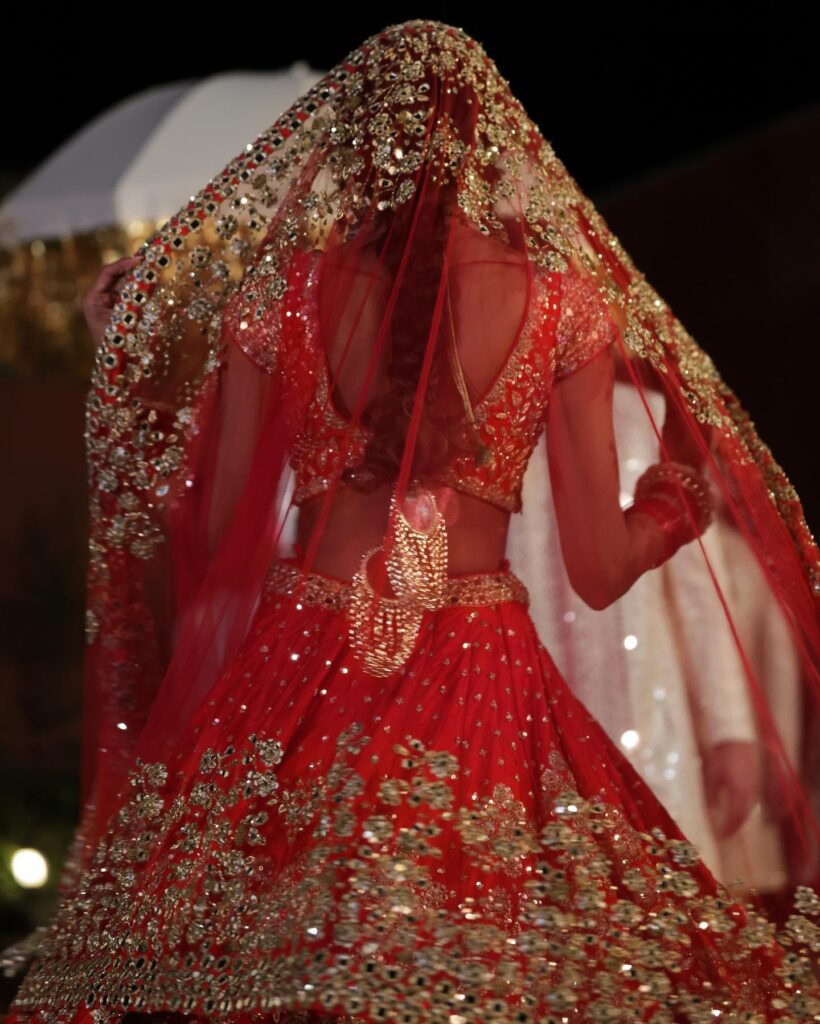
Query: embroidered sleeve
pixel 585 326
pixel 273 309
pixel 254 322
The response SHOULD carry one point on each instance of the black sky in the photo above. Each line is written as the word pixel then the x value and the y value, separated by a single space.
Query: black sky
pixel 619 89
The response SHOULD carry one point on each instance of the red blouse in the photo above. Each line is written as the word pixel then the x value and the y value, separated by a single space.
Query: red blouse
pixel 567 324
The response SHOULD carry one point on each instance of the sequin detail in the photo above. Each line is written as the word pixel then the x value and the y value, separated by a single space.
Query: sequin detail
pixel 566 324
pixel 318 589
pixel 570 912
pixel 510 417
pixel 585 325
pixel 171 305
pixel 160 355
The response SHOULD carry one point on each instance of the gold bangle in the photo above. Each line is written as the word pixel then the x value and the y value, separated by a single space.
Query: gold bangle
pixel 663 479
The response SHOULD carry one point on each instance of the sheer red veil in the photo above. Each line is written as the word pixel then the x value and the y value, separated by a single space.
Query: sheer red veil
pixel 401 246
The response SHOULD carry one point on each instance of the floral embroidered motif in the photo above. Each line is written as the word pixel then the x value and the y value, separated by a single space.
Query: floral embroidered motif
pixel 510 417
pixel 187 903
pixel 585 325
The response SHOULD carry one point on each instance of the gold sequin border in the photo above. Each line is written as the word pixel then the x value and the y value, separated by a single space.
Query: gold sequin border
pixel 474 589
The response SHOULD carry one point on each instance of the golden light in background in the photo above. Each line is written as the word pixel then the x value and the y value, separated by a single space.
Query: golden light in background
pixel 29 867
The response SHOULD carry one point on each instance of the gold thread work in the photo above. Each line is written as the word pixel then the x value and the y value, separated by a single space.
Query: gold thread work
pixel 383 630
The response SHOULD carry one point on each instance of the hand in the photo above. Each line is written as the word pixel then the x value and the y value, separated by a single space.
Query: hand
pixel 99 300
pixel 732 781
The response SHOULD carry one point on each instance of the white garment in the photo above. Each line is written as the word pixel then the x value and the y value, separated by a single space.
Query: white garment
pixel 661 709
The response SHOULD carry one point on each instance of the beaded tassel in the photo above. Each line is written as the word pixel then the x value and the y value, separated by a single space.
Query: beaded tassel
pixel 383 630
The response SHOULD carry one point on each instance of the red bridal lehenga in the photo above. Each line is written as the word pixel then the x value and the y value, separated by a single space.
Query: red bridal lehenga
pixel 330 770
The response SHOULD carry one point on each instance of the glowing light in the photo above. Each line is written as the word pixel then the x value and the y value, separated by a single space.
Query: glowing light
pixel 29 867
pixel 122 726
pixel 630 739
pixel 630 641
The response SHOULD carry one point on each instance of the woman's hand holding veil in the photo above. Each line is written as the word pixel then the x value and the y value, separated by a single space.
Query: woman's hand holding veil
pixel 99 300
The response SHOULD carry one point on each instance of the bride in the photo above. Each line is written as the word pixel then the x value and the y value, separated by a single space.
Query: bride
pixel 330 770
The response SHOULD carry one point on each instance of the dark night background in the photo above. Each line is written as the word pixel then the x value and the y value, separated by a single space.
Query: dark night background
pixel 696 131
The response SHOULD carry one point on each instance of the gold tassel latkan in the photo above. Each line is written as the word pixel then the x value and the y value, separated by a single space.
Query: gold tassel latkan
pixel 383 630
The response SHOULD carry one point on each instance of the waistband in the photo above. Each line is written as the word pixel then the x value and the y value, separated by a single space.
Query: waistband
pixel 471 590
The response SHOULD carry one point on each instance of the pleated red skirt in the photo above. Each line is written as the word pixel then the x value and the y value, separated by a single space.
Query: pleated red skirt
pixel 457 842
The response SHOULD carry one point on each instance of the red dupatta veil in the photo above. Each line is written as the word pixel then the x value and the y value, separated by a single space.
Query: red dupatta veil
pixel 409 166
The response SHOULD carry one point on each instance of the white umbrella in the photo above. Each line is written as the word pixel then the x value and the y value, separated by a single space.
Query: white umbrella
pixel 143 158
pixel 205 129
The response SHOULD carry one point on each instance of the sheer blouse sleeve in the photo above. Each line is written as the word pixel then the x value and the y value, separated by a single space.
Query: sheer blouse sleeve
pixel 585 325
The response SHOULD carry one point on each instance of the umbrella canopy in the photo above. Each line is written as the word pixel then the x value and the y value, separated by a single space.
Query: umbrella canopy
pixel 142 158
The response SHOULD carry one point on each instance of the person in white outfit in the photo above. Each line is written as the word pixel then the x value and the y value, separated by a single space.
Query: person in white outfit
pixel 653 701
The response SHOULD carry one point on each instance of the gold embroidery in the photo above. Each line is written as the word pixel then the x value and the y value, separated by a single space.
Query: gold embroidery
pixel 383 629
pixel 477 589
pixel 584 327
pixel 248 889
pixel 171 306
pixel 656 334
pixel 326 442
pixel 169 317
pixel 511 416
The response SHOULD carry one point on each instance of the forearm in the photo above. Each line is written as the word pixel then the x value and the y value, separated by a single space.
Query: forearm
pixel 604 566
pixel 672 506
pixel 606 549
pixel 643 550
